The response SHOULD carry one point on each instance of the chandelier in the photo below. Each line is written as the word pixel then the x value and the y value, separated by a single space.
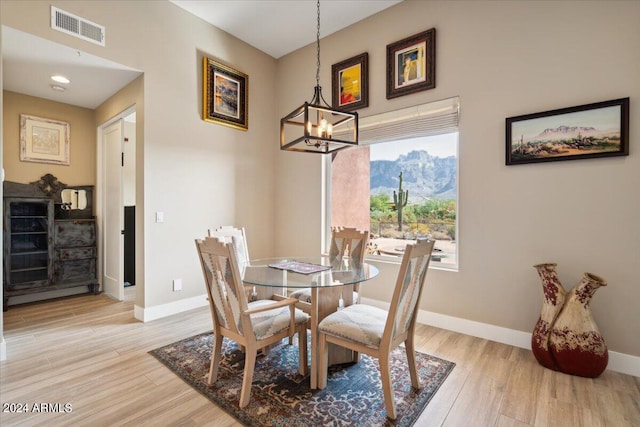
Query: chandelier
pixel 315 127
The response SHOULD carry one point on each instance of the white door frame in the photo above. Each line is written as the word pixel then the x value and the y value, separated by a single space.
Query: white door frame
pixel 100 185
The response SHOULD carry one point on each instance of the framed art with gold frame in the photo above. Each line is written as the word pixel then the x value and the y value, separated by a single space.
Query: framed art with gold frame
pixel 411 64
pixel 225 95
pixel 44 140
pixel 350 83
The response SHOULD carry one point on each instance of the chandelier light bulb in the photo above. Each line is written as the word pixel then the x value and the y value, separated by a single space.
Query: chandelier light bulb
pixel 60 79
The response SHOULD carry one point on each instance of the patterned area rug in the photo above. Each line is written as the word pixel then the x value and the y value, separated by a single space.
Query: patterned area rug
pixel 280 396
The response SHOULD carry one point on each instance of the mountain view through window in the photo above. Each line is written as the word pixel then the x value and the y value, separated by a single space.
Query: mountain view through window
pixel 412 192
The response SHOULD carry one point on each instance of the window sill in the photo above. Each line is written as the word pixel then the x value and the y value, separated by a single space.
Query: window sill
pixel 435 265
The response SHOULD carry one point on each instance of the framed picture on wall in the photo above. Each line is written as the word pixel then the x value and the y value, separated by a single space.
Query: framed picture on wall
pixel 593 130
pixel 350 83
pixel 44 140
pixel 225 95
pixel 411 64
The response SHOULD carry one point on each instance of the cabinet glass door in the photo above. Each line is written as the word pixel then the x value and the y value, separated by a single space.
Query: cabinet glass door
pixel 29 241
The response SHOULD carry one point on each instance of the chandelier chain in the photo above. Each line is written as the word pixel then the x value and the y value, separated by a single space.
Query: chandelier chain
pixel 318 47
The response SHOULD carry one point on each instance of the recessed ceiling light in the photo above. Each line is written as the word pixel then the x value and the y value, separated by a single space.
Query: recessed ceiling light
pixel 60 79
pixel 58 87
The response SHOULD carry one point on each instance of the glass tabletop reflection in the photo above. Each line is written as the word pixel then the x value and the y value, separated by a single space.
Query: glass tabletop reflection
pixel 282 272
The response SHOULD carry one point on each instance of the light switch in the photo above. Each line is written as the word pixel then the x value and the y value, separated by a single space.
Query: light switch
pixel 159 216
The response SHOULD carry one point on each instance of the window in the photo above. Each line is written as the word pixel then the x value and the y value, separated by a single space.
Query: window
pixel 401 184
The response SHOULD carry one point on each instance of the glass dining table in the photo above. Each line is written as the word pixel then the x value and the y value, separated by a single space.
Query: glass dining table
pixel 331 284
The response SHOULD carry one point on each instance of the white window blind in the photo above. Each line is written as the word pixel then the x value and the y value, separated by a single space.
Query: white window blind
pixel 434 118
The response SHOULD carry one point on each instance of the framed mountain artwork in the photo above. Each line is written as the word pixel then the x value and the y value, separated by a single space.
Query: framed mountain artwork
pixel 593 130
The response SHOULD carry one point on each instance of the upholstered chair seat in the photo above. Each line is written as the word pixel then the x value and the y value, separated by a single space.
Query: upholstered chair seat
pixel 359 323
pixel 271 322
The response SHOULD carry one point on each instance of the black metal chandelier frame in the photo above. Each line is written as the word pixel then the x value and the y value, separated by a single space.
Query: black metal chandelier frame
pixel 324 129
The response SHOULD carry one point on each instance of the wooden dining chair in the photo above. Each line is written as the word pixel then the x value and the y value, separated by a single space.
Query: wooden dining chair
pixel 253 325
pixel 348 245
pixel 376 332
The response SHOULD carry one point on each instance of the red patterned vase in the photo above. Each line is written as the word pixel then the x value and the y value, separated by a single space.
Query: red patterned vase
pixel 576 343
pixel 553 300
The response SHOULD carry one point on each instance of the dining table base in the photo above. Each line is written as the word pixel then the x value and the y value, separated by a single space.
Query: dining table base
pixel 324 301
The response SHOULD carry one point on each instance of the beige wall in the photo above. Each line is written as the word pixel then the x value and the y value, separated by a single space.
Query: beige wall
pixel 199 174
pixel 503 59
pixel 82 154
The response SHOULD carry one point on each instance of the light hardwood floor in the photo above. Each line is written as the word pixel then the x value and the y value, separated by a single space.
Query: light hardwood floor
pixel 90 352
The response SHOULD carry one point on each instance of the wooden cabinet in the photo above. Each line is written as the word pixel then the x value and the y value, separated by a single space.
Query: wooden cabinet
pixel 45 246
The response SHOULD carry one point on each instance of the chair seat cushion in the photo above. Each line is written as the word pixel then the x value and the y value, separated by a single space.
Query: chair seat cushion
pixel 304 295
pixel 360 323
pixel 270 322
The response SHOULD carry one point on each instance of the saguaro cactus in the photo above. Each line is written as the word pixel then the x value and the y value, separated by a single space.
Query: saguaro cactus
pixel 400 201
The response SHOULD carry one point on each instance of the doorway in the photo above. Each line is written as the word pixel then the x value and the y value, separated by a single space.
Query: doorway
pixel 116 182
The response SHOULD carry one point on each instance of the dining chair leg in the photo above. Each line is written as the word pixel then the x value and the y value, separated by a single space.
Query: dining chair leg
pixel 247 379
pixel 302 350
pixel 216 355
pixel 387 389
pixel 411 359
pixel 323 362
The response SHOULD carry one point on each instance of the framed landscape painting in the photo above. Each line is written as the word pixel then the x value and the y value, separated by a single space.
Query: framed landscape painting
pixel 350 83
pixel 593 130
pixel 225 95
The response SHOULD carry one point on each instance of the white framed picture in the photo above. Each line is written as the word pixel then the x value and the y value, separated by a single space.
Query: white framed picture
pixel 44 140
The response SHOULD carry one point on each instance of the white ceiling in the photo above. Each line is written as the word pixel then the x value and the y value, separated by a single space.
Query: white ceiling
pixel 276 27
pixel 29 62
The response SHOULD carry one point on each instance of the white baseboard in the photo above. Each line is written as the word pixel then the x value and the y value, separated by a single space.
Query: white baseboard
pixel 619 362
pixel 164 310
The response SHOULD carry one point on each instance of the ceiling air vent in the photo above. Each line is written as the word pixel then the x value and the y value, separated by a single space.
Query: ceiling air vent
pixel 76 26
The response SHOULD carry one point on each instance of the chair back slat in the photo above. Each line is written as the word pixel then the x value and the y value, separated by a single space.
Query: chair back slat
pixel 409 286
pixel 238 236
pixel 222 278
pixel 350 242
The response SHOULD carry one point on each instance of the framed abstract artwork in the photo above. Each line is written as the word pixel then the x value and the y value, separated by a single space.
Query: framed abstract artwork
pixel 586 131
pixel 350 83
pixel 411 64
pixel 225 95
pixel 44 140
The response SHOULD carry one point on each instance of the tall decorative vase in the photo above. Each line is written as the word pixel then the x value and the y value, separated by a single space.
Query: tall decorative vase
pixel 575 343
pixel 554 297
